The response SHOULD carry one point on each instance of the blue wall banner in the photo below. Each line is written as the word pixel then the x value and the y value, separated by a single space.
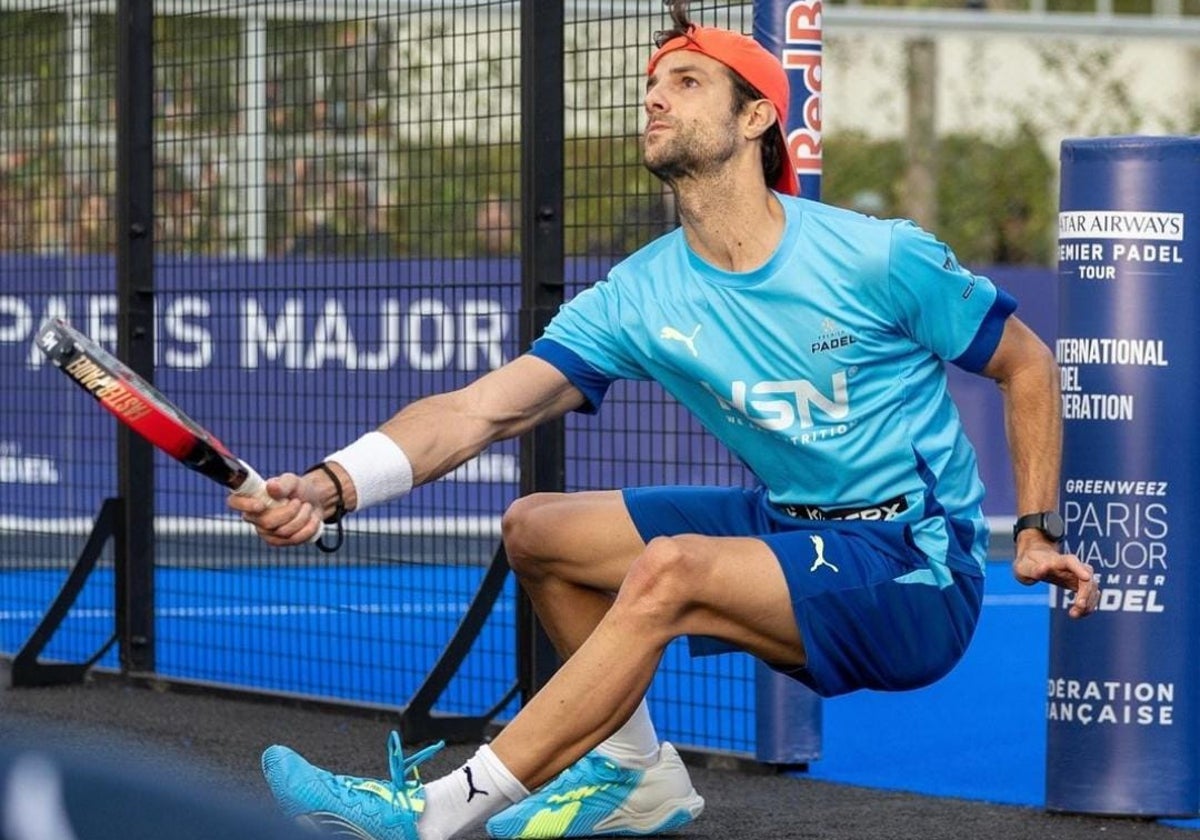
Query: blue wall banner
pixel 230 332
pixel 1123 735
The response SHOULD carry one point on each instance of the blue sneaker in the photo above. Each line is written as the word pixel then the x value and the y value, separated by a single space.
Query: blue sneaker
pixel 596 797
pixel 369 809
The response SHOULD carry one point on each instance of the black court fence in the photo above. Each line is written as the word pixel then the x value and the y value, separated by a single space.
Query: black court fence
pixel 295 218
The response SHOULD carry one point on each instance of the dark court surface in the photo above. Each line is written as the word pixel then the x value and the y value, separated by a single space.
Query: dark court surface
pixel 209 746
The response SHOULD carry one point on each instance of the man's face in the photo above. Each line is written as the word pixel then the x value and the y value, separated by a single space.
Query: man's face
pixel 690 129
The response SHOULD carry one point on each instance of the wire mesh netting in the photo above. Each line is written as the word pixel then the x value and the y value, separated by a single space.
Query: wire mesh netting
pixel 337 205
pixel 334 236
pixel 57 228
pixel 335 239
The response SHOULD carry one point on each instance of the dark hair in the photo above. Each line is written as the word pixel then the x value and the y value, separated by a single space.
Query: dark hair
pixel 744 93
pixel 682 26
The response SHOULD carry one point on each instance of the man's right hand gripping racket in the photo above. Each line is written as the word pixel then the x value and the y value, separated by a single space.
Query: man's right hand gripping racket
pixel 137 404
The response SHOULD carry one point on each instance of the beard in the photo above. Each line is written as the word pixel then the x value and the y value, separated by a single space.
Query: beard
pixel 685 153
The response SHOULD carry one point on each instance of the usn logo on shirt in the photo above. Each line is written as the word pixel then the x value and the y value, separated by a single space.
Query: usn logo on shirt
pixel 789 408
pixel 782 407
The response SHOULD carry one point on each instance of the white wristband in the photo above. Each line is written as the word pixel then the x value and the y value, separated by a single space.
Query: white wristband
pixel 378 467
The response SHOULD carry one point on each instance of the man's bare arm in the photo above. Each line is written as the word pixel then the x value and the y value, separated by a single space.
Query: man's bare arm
pixel 440 432
pixel 1028 377
pixel 435 434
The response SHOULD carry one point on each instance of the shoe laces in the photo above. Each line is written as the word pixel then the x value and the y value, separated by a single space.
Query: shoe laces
pixel 400 766
pixel 400 791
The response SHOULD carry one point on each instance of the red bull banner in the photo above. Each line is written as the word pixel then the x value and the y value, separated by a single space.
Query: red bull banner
pixel 1121 700
pixel 788 715
pixel 791 29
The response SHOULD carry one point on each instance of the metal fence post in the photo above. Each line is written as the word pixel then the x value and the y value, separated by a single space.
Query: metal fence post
pixel 135 325
pixel 543 451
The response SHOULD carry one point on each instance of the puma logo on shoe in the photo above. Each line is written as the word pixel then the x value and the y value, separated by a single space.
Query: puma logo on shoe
pixel 672 334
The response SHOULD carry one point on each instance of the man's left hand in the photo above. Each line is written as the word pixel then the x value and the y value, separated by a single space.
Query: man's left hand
pixel 1040 561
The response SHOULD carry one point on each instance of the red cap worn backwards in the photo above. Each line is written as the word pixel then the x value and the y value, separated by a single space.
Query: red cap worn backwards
pixel 744 56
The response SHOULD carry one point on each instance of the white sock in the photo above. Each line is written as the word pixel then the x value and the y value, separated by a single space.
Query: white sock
pixel 468 796
pixel 636 743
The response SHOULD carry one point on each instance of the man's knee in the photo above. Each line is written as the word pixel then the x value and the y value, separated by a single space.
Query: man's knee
pixel 523 529
pixel 662 580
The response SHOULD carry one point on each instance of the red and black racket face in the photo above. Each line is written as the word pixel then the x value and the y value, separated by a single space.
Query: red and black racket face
pixel 136 403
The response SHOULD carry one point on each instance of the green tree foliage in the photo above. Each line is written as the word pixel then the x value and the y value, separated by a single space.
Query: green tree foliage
pixel 349 169
pixel 996 199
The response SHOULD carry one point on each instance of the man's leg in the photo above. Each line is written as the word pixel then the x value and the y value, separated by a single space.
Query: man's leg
pixel 570 553
pixel 730 587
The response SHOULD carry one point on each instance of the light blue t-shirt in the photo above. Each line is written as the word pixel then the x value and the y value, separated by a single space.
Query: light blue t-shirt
pixel 822 369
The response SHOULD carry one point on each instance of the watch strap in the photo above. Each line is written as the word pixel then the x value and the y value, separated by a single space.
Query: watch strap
pixel 1046 521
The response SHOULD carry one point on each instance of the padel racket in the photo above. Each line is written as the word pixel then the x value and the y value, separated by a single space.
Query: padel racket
pixel 137 404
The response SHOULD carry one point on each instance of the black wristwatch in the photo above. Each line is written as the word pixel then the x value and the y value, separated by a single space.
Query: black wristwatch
pixel 1046 521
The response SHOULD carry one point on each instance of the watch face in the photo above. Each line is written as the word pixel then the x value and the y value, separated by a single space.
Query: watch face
pixel 1053 526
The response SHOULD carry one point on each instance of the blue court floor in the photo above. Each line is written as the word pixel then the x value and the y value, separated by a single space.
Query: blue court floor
pixel 977 734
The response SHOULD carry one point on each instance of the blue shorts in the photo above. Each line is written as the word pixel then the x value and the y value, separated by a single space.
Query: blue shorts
pixel 870 609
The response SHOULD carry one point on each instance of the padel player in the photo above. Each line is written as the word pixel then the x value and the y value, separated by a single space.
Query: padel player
pixel 810 340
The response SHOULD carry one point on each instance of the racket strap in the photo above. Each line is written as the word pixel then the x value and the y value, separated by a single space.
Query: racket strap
pixel 339 511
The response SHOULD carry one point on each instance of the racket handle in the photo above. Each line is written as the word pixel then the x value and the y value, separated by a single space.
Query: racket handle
pixel 255 486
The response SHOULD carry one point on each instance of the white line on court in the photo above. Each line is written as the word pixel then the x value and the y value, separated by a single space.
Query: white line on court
pixel 444 608
pixel 452 608
pixel 1023 599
